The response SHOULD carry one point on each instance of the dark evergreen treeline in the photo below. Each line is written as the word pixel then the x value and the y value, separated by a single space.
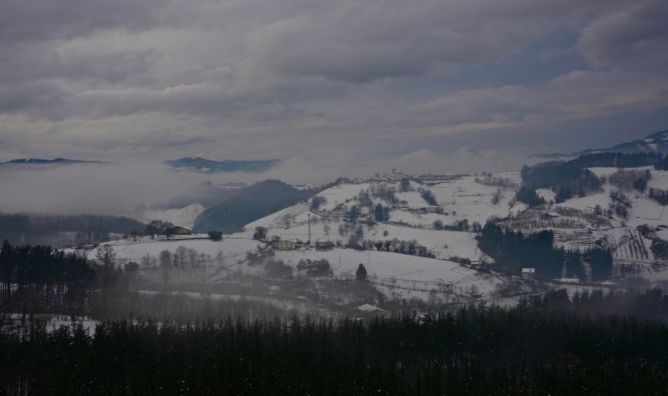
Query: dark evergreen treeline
pixel 566 179
pixel 662 163
pixel 529 196
pixel 512 250
pixel 248 204
pixel 36 276
pixel 618 160
pixel 659 195
pixel 651 304
pixel 659 249
pixel 569 179
pixel 45 229
pixel 600 261
pixel 626 180
pixel 473 351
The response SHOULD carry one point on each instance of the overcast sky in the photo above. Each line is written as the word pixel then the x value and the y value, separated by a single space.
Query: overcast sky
pixel 326 81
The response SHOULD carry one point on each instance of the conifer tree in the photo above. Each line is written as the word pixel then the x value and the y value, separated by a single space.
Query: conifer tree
pixel 361 273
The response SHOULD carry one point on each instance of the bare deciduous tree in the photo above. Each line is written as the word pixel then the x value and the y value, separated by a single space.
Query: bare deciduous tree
pixel 105 254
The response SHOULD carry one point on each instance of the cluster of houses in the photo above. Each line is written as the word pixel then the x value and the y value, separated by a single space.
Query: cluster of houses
pixel 178 230
pixel 530 273
pixel 397 246
pixel 286 244
pixel 394 245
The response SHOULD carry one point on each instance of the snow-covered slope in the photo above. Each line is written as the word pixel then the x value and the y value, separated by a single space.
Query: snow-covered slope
pixel 411 237
pixel 642 209
pixel 145 248
pixel 610 218
pixel 466 198
pixel 410 216
pixel 417 239
pixel 397 276
pixel 401 275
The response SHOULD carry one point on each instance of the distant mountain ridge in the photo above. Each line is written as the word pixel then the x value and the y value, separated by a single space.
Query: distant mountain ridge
pixel 42 161
pixel 657 142
pixel 204 165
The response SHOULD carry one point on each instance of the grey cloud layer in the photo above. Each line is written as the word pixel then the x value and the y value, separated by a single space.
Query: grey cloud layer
pixel 251 78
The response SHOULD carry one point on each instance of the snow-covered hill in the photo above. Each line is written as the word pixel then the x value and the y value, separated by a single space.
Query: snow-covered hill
pixel 397 277
pixel 440 217
pixel 609 218
pixel 415 238
pixel 147 250
pixel 642 209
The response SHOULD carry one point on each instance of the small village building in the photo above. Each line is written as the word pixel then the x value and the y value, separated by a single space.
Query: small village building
pixel 570 281
pixel 178 230
pixel 372 310
pixel 324 245
pixel 285 244
pixel 528 273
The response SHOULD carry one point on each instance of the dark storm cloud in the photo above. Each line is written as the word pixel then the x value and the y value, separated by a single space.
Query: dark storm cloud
pixel 254 78
pixel 32 20
pixel 634 35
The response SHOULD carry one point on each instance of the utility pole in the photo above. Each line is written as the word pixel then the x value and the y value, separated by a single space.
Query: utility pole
pixel 309 228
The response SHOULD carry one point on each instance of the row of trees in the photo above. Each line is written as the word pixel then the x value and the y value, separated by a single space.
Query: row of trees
pixel 651 304
pixel 428 196
pixel 473 351
pixel 159 227
pixel 626 180
pixel 37 275
pixel 51 229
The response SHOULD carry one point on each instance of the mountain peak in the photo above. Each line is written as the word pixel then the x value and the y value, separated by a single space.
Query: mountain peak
pixel 43 161
pixel 656 142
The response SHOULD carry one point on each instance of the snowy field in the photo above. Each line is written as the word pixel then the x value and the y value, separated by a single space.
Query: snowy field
pixel 401 271
pixel 464 198
pixel 398 275
pixel 127 250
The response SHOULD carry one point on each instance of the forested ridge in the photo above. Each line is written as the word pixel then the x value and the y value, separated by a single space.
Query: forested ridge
pixel 473 351
pixel 249 204
pixel 35 277
pixel 44 229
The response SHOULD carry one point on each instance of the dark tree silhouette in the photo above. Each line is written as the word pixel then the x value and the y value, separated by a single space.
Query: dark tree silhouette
pixel 361 273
